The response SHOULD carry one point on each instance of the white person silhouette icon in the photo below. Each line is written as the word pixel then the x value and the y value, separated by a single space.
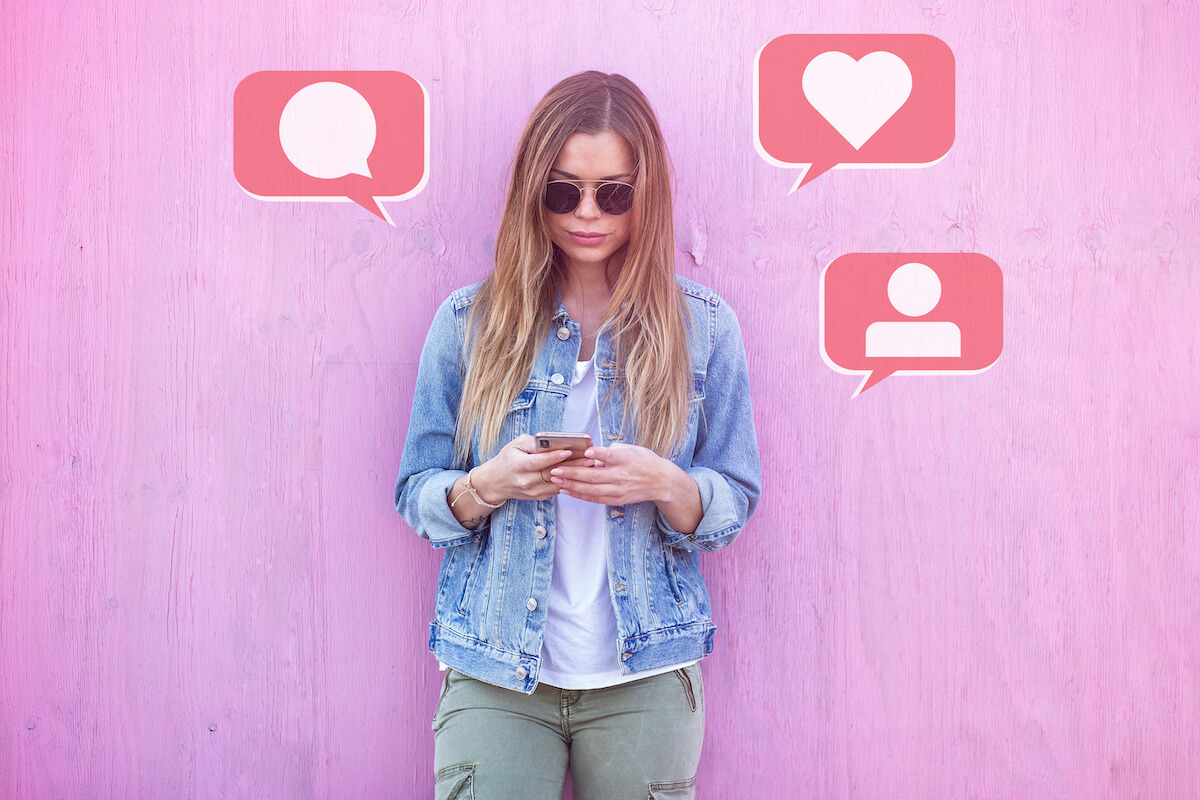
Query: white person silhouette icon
pixel 914 290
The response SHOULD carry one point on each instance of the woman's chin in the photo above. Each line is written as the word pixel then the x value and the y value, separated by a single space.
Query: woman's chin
pixel 586 258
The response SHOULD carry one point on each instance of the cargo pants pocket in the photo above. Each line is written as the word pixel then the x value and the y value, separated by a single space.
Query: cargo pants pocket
pixel 457 783
pixel 689 688
pixel 441 698
pixel 674 790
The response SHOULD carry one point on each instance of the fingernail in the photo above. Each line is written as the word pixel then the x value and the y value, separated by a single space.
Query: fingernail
pixel 556 471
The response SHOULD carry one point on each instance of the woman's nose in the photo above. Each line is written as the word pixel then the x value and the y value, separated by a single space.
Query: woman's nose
pixel 588 208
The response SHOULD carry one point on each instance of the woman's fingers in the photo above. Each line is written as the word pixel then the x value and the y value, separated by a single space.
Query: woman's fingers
pixel 587 484
pixel 598 452
pixel 573 462
pixel 540 461
pixel 525 443
pixel 579 474
pixel 592 493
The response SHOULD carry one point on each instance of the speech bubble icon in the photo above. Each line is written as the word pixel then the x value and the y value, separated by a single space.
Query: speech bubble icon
pixel 331 136
pixel 857 97
pixel 889 314
pixel 825 101
pixel 327 130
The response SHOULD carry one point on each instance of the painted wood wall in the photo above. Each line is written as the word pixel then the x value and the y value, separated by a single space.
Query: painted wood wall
pixel 977 586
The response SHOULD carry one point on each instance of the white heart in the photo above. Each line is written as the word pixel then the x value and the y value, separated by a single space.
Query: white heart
pixel 857 97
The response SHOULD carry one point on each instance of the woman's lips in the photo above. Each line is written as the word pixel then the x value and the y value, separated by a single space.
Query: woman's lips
pixel 583 237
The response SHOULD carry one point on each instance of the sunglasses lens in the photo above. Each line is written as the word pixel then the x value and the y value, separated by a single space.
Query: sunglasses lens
pixel 562 198
pixel 614 198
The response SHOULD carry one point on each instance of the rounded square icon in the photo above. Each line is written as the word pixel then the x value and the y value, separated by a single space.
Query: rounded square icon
pixel 853 100
pixel 911 314
pixel 331 136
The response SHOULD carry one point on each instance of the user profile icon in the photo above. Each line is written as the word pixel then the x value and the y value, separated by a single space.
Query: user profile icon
pixel 888 314
pixel 914 290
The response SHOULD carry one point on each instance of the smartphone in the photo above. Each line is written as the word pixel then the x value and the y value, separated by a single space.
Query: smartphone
pixel 577 443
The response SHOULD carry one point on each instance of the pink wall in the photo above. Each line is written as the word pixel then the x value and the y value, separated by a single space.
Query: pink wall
pixel 977 586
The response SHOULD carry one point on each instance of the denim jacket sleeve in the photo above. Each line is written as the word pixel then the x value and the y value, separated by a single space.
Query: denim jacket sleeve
pixel 427 467
pixel 725 464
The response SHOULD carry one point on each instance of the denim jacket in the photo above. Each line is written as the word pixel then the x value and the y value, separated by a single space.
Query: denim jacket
pixel 494 581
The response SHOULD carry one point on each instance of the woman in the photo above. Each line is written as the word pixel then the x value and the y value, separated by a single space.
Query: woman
pixel 570 610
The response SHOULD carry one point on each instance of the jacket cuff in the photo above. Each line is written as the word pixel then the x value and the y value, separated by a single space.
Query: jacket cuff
pixel 719 525
pixel 438 519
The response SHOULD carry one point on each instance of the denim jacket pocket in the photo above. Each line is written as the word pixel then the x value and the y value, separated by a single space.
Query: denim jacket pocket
pixel 517 420
pixel 672 579
pixel 472 575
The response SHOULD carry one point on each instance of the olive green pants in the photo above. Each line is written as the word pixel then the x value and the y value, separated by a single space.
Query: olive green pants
pixel 632 741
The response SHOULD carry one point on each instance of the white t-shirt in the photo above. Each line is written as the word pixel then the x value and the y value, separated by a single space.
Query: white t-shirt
pixel 580 648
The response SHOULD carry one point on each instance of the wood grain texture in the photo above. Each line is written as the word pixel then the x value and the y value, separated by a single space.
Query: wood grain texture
pixel 977 586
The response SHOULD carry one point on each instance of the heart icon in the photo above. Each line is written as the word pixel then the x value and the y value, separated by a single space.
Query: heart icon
pixel 857 97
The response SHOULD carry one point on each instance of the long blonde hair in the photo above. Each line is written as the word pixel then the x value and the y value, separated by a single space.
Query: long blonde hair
pixel 514 309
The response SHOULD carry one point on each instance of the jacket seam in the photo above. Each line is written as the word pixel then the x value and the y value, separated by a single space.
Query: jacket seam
pixel 484 645
pixel 706 538
pixel 706 625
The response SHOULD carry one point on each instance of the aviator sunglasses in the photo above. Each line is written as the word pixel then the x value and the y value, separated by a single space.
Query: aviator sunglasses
pixel 613 197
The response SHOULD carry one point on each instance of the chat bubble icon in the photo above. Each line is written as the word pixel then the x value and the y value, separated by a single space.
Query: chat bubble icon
pixel 327 130
pixel 331 136
pixel 886 314
pixel 825 101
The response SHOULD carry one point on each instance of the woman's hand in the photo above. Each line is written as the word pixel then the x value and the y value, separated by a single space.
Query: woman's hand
pixel 516 472
pixel 629 473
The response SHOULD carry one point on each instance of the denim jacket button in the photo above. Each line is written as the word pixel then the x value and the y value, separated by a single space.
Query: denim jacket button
pixel 521 672
pixel 626 656
pixel 540 531
pixel 620 587
pixel 614 513
pixel 556 379
pixel 564 333
pixel 531 604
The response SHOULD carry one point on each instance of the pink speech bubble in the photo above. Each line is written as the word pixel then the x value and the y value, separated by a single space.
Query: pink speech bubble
pixel 911 314
pixel 331 136
pixel 853 100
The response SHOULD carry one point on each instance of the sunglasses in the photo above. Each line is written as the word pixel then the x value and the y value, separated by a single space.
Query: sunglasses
pixel 613 197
